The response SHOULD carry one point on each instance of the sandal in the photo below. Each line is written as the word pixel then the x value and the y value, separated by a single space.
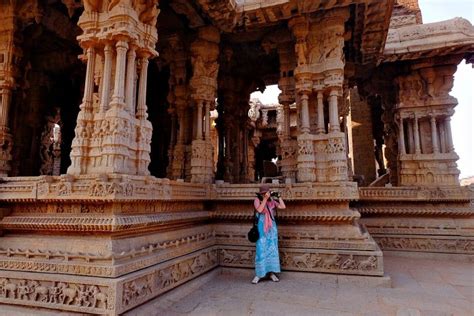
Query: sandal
pixel 255 280
pixel 274 277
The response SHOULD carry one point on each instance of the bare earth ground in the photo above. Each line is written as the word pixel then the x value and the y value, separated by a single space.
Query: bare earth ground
pixel 419 287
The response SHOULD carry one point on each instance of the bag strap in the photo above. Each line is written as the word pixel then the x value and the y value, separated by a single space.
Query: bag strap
pixel 255 217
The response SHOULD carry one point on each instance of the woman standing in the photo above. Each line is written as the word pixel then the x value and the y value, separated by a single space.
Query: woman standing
pixel 267 259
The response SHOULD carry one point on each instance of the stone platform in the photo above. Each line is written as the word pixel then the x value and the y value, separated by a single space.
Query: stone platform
pixel 418 287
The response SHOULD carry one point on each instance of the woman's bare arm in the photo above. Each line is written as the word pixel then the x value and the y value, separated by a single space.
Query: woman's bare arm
pixel 281 204
pixel 261 207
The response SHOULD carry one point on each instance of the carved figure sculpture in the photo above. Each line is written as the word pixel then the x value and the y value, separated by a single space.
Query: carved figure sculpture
pixel 302 259
pixel 147 11
pixel 349 263
pixel 54 292
pixel 40 293
pixel 166 278
pixel 24 290
pixel 92 5
pixel 10 289
pixel 332 262
pixel 67 295
pixel 369 263
pixel 82 298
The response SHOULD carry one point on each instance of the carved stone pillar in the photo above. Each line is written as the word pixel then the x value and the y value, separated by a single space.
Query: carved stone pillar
pixel 401 138
pixel 198 123
pixel 207 121
pixel 304 113
pixel 178 162
pixel 106 78
pixel 423 96
pixel 144 127
pixel 411 140
pixel 416 131
pixel 321 127
pixel 130 83
pixel 121 48
pixel 434 135
pixel 449 135
pixel 80 144
pixel 442 137
pixel 319 43
pixel 204 51
pixel 5 136
pixel 173 136
pixel 112 138
pixel 11 55
pixel 333 112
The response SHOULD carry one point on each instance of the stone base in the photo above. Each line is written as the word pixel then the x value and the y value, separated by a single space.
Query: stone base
pixel 95 295
pixel 440 220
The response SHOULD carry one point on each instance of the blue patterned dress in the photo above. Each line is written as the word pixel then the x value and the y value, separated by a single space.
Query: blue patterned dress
pixel 267 258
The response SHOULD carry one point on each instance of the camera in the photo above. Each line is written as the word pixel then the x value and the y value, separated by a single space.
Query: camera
pixel 275 194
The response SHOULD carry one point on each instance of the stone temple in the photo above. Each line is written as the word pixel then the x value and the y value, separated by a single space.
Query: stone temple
pixel 131 151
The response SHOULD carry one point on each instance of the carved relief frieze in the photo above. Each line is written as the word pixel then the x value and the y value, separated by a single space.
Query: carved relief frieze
pixel 142 288
pixel 426 244
pixel 89 298
pixel 337 262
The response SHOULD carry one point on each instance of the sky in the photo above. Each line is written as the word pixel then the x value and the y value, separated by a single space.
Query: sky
pixel 462 123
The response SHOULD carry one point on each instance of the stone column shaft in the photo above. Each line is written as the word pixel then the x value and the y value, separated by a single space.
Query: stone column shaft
pixel 449 135
pixel 304 114
pixel 118 97
pixel 416 131
pixel 199 120
pixel 411 144
pixel 207 115
pixel 89 83
pixel 129 84
pixel 434 135
pixel 181 119
pixel 286 121
pixel 5 106
pixel 333 112
pixel 442 137
pixel 320 127
pixel 141 104
pixel 173 130
pixel 401 139
pixel 106 78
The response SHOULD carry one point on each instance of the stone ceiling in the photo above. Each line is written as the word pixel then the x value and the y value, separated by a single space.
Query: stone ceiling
pixel 371 18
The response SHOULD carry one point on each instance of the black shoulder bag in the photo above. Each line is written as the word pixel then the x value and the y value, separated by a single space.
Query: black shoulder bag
pixel 253 234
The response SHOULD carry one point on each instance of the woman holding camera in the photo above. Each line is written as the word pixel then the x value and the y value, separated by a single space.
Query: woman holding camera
pixel 267 259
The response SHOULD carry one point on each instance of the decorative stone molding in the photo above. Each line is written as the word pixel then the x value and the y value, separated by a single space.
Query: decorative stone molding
pixel 451 37
pixel 343 191
pixel 111 264
pixel 416 194
pixel 99 224
pixel 292 216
